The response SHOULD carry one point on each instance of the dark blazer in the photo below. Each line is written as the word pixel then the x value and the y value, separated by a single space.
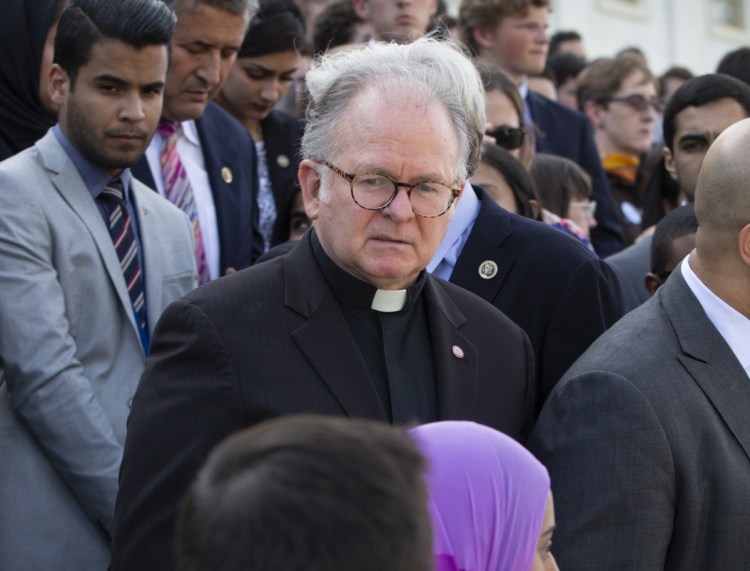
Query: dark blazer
pixel 647 441
pixel 273 340
pixel 282 134
pixel 226 144
pixel 548 283
pixel 567 133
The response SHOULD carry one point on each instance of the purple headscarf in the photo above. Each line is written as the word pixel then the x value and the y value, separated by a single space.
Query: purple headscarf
pixel 488 495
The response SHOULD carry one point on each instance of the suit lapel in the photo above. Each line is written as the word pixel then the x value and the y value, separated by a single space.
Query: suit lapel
pixel 708 358
pixel 456 358
pixel 69 184
pixel 152 256
pixel 325 338
pixel 491 228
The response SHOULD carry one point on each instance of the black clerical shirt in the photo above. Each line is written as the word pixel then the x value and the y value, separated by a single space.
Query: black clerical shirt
pixel 395 346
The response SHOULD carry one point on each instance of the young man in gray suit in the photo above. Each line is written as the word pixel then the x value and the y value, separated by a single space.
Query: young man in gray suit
pixel 89 257
pixel 647 437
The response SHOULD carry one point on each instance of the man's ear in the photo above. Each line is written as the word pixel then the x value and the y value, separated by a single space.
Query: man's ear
pixel 743 245
pixel 484 37
pixel 433 8
pixel 58 83
pixel 309 181
pixel 593 111
pixel 669 163
pixel 652 282
pixel 362 9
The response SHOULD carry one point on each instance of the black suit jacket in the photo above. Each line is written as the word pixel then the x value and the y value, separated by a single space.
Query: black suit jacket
pixel 567 133
pixel 273 340
pixel 548 283
pixel 282 134
pixel 227 145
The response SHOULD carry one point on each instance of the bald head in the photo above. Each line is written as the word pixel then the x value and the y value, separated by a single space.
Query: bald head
pixel 722 196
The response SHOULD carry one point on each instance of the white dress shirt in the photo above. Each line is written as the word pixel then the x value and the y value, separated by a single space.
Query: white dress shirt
pixel 191 155
pixel 731 324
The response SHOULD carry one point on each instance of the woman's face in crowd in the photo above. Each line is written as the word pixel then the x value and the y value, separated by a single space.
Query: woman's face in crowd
pixel 501 113
pixel 543 558
pixel 494 183
pixel 256 84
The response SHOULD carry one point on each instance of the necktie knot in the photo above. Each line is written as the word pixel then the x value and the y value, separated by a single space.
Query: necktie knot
pixel 113 191
pixel 167 128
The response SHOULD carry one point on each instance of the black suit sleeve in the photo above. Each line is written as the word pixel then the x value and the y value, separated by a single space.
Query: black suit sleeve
pixel 613 474
pixel 588 304
pixel 187 401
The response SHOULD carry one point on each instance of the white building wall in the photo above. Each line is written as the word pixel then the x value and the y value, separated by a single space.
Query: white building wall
pixel 670 32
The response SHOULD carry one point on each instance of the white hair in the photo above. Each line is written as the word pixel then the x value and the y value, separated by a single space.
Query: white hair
pixel 427 69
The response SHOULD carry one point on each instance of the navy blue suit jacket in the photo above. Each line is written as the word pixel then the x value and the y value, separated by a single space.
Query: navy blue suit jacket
pixel 227 145
pixel 548 283
pixel 567 133
pixel 282 134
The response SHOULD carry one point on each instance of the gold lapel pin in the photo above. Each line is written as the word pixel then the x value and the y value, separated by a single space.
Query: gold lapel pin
pixel 488 269
pixel 226 174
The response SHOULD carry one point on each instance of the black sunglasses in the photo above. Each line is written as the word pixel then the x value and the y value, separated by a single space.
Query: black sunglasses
pixel 509 138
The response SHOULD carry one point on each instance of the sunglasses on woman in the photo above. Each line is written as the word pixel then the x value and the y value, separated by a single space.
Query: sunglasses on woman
pixel 509 138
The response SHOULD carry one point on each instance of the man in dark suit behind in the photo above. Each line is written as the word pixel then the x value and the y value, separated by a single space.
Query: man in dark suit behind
pixel 348 323
pixel 217 153
pixel 647 437
pixel 555 289
pixel 514 36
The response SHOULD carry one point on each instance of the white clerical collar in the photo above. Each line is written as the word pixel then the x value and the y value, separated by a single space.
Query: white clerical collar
pixel 389 301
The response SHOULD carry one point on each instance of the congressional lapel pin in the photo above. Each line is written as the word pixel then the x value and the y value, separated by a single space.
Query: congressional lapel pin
pixel 226 174
pixel 458 353
pixel 487 269
pixel 282 161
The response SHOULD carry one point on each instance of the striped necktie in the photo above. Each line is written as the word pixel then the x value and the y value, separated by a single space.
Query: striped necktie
pixel 122 233
pixel 178 192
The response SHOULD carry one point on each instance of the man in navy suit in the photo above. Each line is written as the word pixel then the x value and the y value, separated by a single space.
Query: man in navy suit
pixel 515 37
pixel 217 153
pixel 556 290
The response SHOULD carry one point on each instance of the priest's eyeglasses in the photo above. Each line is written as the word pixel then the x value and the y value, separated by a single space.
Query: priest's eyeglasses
pixel 373 191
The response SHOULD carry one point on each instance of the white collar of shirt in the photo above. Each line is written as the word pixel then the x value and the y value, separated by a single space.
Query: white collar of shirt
pixel 460 227
pixel 523 88
pixel 731 324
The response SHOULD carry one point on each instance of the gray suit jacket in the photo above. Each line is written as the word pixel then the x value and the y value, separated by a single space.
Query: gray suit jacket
pixel 70 354
pixel 630 266
pixel 647 440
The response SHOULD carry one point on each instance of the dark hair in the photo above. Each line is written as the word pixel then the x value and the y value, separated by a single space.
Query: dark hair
pixel 334 25
pixel 737 64
pixel 565 66
pixel 83 23
pixel 238 7
pixel 561 37
pixel 679 222
pixel 699 91
pixel 518 178
pixel 557 181
pixel 661 191
pixel 495 79
pixel 277 26
pixel 674 72
pixel 309 492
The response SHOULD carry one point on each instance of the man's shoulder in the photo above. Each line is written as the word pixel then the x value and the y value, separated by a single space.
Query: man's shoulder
pixel 219 126
pixel 553 109
pixel 531 242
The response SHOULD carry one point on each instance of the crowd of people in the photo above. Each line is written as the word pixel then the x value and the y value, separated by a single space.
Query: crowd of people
pixel 354 284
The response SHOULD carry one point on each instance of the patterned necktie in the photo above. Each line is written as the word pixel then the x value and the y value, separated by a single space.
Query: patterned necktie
pixel 121 231
pixel 178 192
